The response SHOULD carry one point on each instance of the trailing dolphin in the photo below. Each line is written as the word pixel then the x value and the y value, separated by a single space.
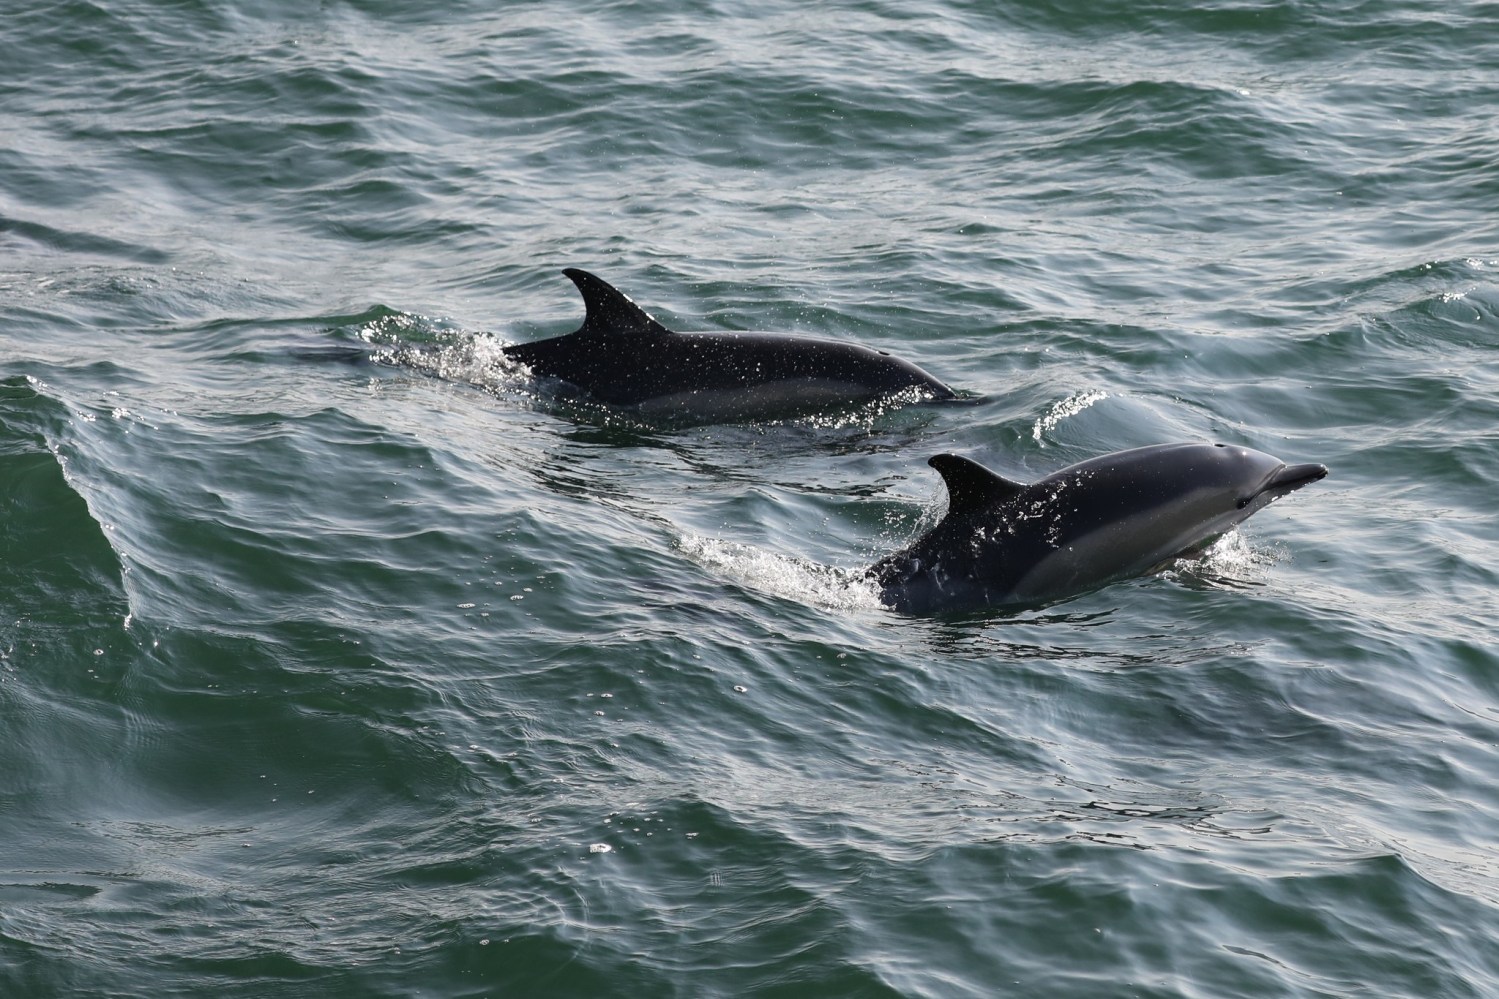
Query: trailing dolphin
pixel 1004 544
pixel 622 356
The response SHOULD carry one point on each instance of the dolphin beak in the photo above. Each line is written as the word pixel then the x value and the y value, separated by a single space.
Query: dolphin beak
pixel 1291 477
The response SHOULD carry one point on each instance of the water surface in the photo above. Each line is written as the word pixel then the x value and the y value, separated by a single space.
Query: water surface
pixel 395 678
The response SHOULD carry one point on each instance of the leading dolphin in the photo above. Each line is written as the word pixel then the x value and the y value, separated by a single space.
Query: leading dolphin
pixel 1006 544
pixel 623 357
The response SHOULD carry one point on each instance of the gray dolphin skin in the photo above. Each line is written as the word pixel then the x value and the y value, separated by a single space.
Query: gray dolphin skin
pixel 623 357
pixel 1005 544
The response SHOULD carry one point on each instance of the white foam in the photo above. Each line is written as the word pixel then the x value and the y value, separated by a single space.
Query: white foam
pixel 784 575
pixel 474 358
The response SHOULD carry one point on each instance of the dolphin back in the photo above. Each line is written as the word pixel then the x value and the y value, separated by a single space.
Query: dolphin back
pixel 623 356
pixel 1002 544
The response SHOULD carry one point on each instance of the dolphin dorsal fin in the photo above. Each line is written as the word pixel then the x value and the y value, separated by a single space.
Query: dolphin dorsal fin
pixel 971 485
pixel 609 311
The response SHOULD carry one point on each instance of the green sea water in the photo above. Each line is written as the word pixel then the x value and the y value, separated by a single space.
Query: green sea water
pixel 337 661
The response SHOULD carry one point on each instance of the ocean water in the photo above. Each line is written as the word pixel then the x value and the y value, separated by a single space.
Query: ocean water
pixel 335 660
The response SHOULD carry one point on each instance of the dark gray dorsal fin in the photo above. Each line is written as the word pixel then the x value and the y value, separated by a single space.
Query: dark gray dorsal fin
pixel 609 310
pixel 971 485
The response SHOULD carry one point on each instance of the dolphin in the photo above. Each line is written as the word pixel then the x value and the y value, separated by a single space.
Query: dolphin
pixel 623 357
pixel 1006 544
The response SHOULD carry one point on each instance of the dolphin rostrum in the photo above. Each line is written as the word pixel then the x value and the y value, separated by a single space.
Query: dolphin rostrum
pixel 622 356
pixel 1006 544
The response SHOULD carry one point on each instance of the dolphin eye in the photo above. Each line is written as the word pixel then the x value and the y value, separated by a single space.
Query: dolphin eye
pixel 1245 502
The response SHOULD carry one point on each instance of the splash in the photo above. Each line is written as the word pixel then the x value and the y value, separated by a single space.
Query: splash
pixel 1231 561
pixel 865 416
pixel 1062 410
pixel 415 342
pixel 784 575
